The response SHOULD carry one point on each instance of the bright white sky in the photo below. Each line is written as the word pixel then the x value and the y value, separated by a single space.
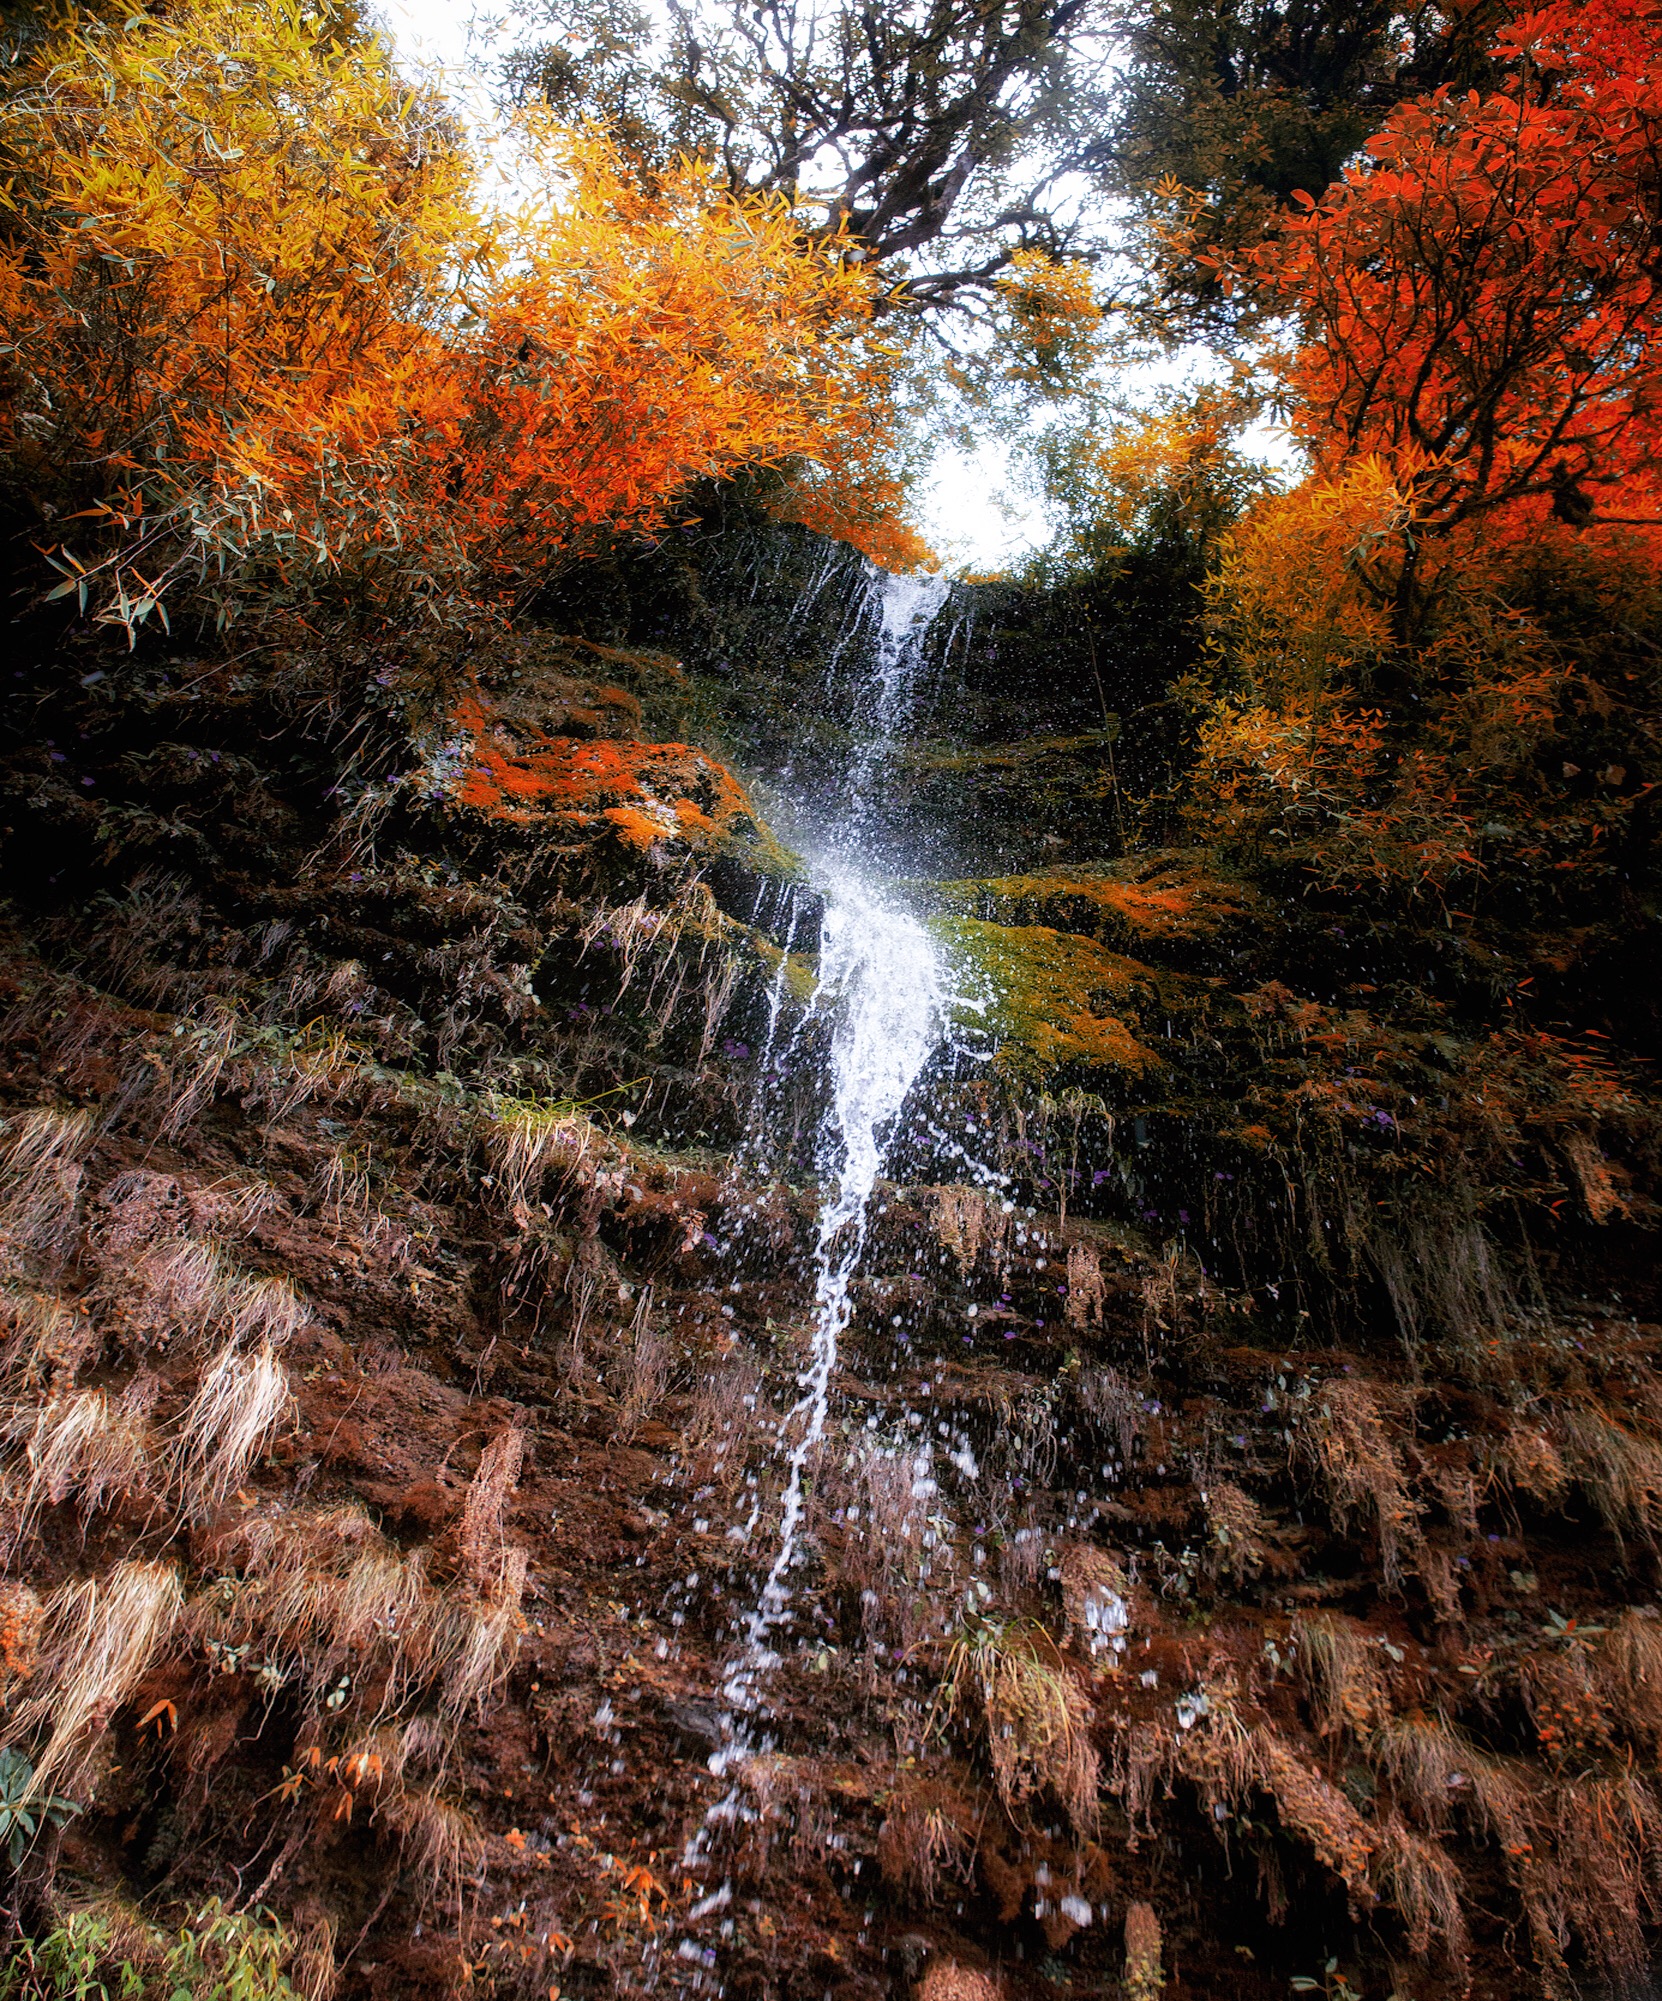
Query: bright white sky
pixel 968 506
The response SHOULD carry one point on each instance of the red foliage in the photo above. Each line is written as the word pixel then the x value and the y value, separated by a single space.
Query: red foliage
pixel 1480 294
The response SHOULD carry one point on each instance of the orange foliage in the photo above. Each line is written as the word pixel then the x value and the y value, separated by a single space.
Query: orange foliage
pixel 645 792
pixel 261 335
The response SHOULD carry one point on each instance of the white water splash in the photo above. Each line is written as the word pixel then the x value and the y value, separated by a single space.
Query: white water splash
pixel 880 980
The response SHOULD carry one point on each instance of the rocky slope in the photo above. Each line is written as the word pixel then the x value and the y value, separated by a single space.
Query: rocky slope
pixel 1232 1559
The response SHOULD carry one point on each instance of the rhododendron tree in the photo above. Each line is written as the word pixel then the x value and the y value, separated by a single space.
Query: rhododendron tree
pixel 1479 296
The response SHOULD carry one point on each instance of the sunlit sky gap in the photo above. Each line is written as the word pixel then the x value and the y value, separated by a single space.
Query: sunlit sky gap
pixel 968 504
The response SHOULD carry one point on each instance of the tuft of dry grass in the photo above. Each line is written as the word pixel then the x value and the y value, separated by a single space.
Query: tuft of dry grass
pixel 1528 1460
pixel 526 1139
pixel 238 1405
pixel 927 1837
pixel 84 1444
pixel 1619 1468
pixel 968 1224
pixel 439 1842
pixel 1096 1598
pixel 186 1286
pixel 946 1980
pixel 1116 1406
pixel 482 1548
pixel 1086 1290
pixel 1419 1880
pixel 1345 1439
pixel 47 1340
pixel 1238 1529
pixel 895 1545
pixel 313 1972
pixel 1335 1660
pixel 1628 1667
pixel 204 1050
pixel 101 1635
pixel 1606 1881
pixel 1011 1680
pixel 41 1156
pixel 1317 1812
pixel 648 1368
pixel 478 1649
pixel 1145 1978
pixel 322 1593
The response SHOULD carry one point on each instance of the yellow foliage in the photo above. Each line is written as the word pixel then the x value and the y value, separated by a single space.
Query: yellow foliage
pixel 1051 318
pixel 1295 600
pixel 261 329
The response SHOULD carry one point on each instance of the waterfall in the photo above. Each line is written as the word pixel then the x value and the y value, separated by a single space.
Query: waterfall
pixel 880 982
pixel 881 995
pixel 899 612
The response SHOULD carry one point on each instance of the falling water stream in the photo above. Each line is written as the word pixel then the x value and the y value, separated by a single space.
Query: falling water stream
pixel 882 994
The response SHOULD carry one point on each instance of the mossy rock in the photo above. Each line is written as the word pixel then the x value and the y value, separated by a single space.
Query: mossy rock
pixel 1041 783
pixel 503 762
pixel 1052 1000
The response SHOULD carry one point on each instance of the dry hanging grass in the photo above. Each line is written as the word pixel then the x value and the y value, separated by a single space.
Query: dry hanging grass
pixel 1607 1879
pixel 41 1152
pixel 1337 1664
pixel 648 1368
pixel 479 1649
pixel 1239 1531
pixel 101 1635
pixel 1420 1882
pixel 186 1286
pixel 1344 1439
pixel 322 1591
pixel 927 1837
pixel 1628 1667
pixel 946 1980
pixel 239 1403
pixel 47 1341
pixel 526 1139
pixel 1620 1469
pixel 1036 1724
pixel 438 1841
pixel 204 1051
pixel 1317 1812
pixel 482 1549
pixel 367 1611
pixel 895 1546
pixel 86 1445
pixel 968 1223
pixel 1086 1291
pixel 313 1973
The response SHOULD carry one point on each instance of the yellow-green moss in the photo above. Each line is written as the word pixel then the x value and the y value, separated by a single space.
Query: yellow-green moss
pixel 1172 897
pixel 1052 999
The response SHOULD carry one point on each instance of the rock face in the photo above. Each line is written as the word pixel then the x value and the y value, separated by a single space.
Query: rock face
pixel 1217 1563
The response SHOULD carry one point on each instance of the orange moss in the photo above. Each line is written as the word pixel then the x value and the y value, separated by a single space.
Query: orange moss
pixel 645 792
